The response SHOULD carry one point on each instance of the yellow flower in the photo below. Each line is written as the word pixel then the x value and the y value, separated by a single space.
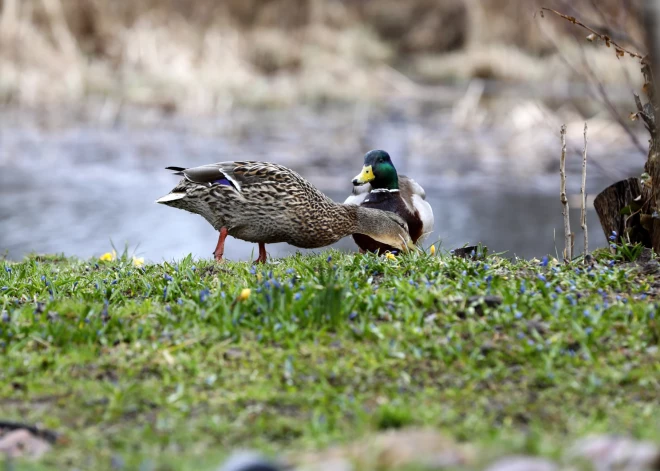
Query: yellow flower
pixel 138 261
pixel 245 293
pixel 390 256
pixel 108 256
pixel 432 249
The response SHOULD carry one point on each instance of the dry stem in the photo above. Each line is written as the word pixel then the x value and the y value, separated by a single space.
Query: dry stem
pixel 583 193
pixel 568 256
pixel 620 51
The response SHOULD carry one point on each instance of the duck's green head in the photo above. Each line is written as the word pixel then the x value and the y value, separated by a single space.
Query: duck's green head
pixel 378 170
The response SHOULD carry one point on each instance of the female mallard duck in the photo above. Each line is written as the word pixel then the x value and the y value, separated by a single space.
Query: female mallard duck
pixel 267 203
pixel 378 186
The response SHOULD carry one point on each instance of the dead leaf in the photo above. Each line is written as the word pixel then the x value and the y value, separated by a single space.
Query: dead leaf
pixel 390 450
pixel 523 463
pixel 617 453
pixel 21 443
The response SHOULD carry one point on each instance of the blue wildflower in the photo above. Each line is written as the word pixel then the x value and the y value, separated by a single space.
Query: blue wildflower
pixel 518 315
pixel 544 261
pixel 43 277
pixel 614 233
pixel 541 277
pixel 586 313
pixel 203 295
pixel 253 271
pixel 167 277
pixel 522 287
pixel 329 259
pixel 558 290
pixel 4 288
pixel 613 246
pixel 297 296
pixel 8 269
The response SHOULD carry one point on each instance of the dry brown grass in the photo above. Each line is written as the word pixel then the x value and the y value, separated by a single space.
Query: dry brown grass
pixel 206 55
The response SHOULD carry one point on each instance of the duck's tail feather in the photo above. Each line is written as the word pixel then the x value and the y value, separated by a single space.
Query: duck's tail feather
pixel 171 197
pixel 177 170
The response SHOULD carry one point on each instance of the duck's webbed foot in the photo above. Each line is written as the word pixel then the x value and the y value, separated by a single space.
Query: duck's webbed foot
pixel 262 254
pixel 220 248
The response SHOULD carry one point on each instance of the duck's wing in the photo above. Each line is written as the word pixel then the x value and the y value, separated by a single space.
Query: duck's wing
pixel 415 197
pixel 359 194
pixel 240 174
pixel 410 186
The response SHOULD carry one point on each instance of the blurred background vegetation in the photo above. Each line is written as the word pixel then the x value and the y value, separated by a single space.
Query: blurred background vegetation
pixel 466 95
pixel 204 55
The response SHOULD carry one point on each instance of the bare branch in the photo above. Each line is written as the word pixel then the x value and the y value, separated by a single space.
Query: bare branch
pixel 620 50
pixel 583 193
pixel 608 103
pixel 568 239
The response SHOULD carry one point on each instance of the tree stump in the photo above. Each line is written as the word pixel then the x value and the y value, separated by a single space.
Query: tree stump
pixel 618 207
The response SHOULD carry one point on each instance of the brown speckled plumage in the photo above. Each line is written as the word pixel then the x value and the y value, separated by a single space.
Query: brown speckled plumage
pixel 268 203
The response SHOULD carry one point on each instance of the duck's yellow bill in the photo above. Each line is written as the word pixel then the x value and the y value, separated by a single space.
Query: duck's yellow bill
pixel 365 176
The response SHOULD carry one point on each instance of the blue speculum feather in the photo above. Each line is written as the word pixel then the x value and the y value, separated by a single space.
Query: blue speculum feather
pixel 223 181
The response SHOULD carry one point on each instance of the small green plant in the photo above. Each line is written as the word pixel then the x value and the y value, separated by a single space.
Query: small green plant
pixel 625 250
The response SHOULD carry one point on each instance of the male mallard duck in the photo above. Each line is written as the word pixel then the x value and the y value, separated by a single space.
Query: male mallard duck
pixel 267 203
pixel 378 186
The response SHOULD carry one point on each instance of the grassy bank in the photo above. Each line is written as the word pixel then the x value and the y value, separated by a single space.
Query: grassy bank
pixel 175 363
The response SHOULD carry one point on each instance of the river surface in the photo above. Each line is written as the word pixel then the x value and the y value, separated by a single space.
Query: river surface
pixel 76 185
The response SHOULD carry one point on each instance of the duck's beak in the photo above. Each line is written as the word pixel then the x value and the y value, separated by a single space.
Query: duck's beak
pixel 365 176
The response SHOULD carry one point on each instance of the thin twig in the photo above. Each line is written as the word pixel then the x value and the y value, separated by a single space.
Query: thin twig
pixel 608 103
pixel 562 197
pixel 620 50
pixel 583 192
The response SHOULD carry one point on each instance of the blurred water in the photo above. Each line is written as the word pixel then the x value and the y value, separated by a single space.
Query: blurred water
pixel 76 188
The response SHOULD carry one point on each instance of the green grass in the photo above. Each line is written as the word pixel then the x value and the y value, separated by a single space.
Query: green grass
pixel 167 364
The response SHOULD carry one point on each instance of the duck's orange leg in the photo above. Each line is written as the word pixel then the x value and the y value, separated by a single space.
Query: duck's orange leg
pixel 262 253
pixel 220 248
